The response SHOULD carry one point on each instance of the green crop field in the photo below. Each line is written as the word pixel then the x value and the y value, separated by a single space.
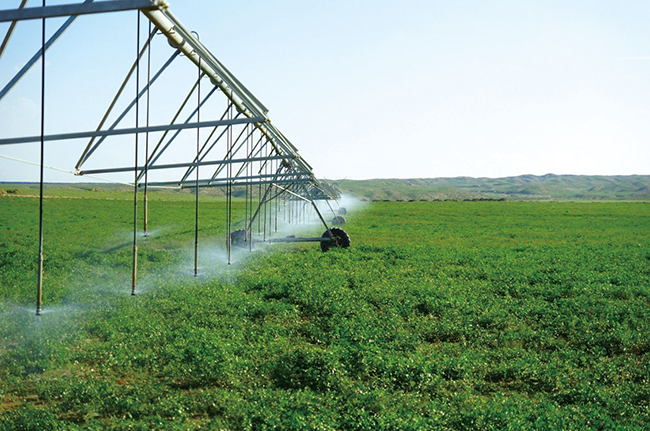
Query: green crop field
pixel 442 315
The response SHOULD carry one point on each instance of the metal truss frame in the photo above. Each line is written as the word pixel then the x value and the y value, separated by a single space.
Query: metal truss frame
pixel 259 160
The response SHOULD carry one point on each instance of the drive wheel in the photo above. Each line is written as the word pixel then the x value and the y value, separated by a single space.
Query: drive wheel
pixel 339 238
pixel 338 221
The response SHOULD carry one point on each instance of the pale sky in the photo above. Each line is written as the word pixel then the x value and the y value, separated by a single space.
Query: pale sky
pixel 372 89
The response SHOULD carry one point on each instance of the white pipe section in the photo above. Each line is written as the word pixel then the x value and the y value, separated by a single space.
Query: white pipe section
pixel 175 39
pixel 243 100
pixel 186 43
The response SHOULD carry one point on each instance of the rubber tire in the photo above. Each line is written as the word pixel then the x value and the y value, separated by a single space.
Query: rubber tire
pixel 343 211
pixel 338 220
pixel 238 238
pixel 342 239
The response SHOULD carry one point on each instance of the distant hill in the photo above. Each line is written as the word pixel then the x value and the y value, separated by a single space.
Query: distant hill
pixel 523 187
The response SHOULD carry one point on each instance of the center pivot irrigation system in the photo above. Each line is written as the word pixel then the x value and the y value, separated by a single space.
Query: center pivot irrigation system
pixel 240 151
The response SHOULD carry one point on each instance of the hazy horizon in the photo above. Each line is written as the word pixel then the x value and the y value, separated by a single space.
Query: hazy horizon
pixel 352 179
